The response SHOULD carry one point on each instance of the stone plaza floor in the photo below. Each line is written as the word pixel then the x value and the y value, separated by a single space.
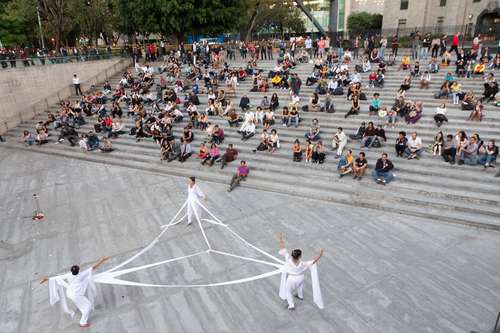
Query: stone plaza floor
pixel 381 272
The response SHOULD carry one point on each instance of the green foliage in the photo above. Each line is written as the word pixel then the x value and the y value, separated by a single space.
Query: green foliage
pixel 363 22
pixel 17 19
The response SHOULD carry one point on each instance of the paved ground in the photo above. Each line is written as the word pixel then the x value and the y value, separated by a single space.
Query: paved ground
pixel 381 273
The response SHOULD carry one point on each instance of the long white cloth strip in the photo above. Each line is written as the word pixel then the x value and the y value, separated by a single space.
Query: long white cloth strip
pixel 193 207
pixel 255 247
pixel 138 268
pixel 246 258
pixel 110 276
pixel 148 247
pixel 111 280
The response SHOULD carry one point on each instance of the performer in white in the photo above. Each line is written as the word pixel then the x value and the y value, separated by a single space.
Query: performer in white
pixel 80 289
pixel 294 270
pixel 194 195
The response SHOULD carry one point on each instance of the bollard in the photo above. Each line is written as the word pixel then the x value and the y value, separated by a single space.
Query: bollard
pixel 37 214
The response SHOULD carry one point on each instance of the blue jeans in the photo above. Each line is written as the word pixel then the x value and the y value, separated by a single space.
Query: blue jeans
pixel 469 159
pixel 342 162
pixel 487 159
pixel 387 175
pixel 293 120
pixel 408 152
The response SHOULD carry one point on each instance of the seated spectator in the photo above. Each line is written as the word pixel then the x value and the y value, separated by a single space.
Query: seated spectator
pixel 339 141
pixel 233 119
pixel 41 136
pixel 449 149
pixel 203 154
pixel 268 119
pixel 425 80
pixel 274 141
pixel 437 145
pixel 318 155
pixel 444 91
pixel 217 135
pixel 309 151
pixel 313 133
pixel 401 142
pixel 366 66
pixel 382 173
pixel 456 91
pixel 375 104
pixel 416 69
pixel 28 138
pixel 477 113
pixel 106 146
pixel 359 132
pixel 297 151
pixel 345 164
pixel 433 66
pixel 185 151
pixel 468 155
pixel 355 106
pixel 285 116
pixel 488 154
pixel 244 103
pixel 479 68
pixel 413 147
pixel 294 116
pixel 213 155
pixel 440 116
pixel 83 143
pixel 405 63
pixel 230 155
pixel 328 105
pixel 490 88
pixel 314 104
pixel 415 113
pixel 469 101
pixel 247 130
pixel 241 174
pixel 369 136
pixel 359 166
pixel 274 104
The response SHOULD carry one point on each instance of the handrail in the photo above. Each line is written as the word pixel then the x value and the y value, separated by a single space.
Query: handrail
pixel 496 323
pixel 48 60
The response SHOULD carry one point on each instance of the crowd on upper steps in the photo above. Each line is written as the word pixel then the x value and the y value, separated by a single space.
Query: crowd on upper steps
pixel 160 96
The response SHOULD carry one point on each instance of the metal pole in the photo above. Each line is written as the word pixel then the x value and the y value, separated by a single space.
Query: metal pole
pixel 40 27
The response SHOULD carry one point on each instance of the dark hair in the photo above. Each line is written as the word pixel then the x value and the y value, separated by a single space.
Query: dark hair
pixel 296 254
pixel 193 179
pixel 75 270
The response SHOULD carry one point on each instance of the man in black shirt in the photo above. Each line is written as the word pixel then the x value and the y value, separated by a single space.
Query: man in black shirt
pixel 382 173
pixel 359 167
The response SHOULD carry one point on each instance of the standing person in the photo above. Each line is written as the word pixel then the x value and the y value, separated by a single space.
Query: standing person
pixel 294 285
pixel 194 195
pixel 357 41
pixel 454 43
pixel 76 84
pixel 443 45
pixel 383 46
pixel 242 173
pixel 415 45
pixel 395 45
pixel 308 45
pixel 80 289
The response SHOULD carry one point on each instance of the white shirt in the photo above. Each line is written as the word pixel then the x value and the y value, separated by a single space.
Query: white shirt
pixel 291 267
pixel 194 193
pixel 76 80
pixel 414 144
pixel 308 43
pixel 77 284
pixel 440 110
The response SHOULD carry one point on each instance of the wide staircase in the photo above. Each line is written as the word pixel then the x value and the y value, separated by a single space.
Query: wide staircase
pixel 428 187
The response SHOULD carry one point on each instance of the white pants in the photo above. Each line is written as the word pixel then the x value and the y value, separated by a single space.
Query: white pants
pixel 191 207
pixel 339 146
pixel 83 304
pixel 294 284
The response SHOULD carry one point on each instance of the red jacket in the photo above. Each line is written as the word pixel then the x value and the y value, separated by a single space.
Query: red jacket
pixel 454 40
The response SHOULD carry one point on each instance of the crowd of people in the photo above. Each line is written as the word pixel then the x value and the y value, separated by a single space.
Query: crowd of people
pixel 159 99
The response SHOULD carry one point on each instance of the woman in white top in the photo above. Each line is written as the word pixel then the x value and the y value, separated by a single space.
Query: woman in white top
pixel 295 269
pixel 440 116
pixel 275 140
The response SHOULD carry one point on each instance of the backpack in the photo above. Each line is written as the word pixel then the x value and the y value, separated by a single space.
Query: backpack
pixel 338 91
pixel 376 143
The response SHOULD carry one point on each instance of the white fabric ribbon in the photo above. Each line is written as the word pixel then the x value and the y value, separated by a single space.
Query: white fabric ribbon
pixel 57 284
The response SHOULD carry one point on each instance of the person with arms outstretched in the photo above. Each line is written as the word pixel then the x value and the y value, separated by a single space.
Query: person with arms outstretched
pixel 80 289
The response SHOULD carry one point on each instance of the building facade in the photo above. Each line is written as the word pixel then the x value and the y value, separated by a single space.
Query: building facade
pixel 442 16
pixel 341 9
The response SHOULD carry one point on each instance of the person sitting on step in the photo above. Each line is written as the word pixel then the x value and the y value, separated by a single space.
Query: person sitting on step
pixel 359 166
pixel 213 155
pixel 413 147
pixel 318 155
pixel 382 173
pixel 297 151
pixel 230 155
pixel 345 164
pixel 241 174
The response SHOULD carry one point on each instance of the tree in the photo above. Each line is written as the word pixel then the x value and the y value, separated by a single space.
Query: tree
pixel 17 22
pixel 363 21
pixel 281 16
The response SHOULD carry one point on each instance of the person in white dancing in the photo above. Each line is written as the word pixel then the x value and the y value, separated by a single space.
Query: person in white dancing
pixel 80 289
pixel 295 269
pixel 194 195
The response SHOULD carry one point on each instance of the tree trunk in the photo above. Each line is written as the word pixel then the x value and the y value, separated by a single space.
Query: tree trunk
pixel 251 24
